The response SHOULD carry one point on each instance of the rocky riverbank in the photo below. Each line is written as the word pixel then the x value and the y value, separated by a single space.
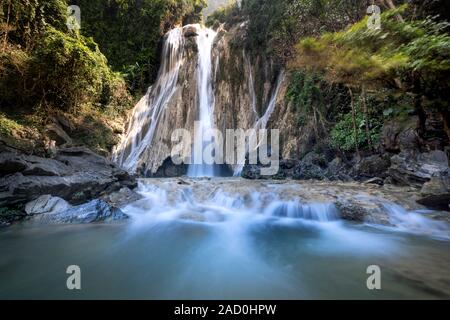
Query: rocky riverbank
pixel 75 176
pixel 428 173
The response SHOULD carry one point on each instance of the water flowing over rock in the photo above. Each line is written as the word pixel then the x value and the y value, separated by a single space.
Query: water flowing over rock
pixel 203 77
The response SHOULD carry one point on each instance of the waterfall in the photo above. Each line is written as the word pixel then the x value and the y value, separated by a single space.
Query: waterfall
pixel 262 122
pixel 145 117
pixel 205 41
pixel 251 83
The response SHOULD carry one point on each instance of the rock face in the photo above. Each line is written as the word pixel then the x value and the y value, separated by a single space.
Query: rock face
pixel 436 192
pixel 413 169
pixel 76 175
pixel 92 212
pixel 242 87
pixel 121 198
pixel 46 204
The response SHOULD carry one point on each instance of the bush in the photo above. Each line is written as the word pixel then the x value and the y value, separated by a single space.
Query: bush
pixel 343 134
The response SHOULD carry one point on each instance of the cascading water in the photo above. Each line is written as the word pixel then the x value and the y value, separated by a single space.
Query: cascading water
pixel 146 115
pixel 205 41
pixel 262 122
pixel 139 141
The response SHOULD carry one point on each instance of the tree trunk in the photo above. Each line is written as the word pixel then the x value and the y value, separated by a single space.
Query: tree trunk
pixel 5 39
pixel 366 118
pixel 355 130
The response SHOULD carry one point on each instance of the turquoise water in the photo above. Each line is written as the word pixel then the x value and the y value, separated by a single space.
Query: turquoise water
pixel 220 249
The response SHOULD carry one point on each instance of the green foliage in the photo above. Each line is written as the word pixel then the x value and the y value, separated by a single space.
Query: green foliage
pixel 228 14
pixel 277 25
pixel 78 73
pixel 305 93
pixel 129 32
pixel 343 134
pixel 359 55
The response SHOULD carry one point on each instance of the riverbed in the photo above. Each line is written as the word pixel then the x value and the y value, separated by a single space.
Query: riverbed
pixel 235 239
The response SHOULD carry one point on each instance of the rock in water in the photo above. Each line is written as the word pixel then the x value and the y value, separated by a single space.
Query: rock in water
pixel 46 204
pixel 436 193
pixel 94 211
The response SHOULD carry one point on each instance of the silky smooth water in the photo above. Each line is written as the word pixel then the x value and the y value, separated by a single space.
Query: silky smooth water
pixel 182 245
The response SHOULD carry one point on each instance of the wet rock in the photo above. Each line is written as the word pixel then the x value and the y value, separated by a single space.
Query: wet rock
pixel 373 166
pixel 92 212
pixel 251 172
pixel 190 31
pixel 46 204
pixel 376 181
pixel 362 211
pixel 170 170
pixel 337 171
pixel 121 198
pixel 410 169
pixel 436 192
pixel 76 175
pixel 315 159
pixel 9 216
pixel 400 135
pixel 308 171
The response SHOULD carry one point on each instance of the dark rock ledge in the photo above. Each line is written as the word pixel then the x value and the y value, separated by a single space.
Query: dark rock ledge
pixel 76 175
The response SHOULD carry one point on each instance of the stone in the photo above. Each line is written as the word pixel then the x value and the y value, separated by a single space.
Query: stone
pixel 373 166
pixel 377 181
pixel 92 212
pixel 337 171
pixel 409 168
pixel 436 192
pixel 76 175
pixel 190 31
pixel 57 134
pixel 362 211
pixel 308 171
pixel 122 198
pixel 251 172
pixel 46 204
pixel 399 135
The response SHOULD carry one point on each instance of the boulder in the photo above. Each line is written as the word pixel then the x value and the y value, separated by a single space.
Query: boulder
pixel 308 171
pixel 338 171
pixel 57 134
pixel 251 172
pixel 76 175
pixel 436 192
pixel 315 159
pixel 190 31
pixel 399 135
pixel 362 211
pixel 92 212
pixel 409 168
pixel 122 198
pixel 46 204
pixel 170 170
pixel 370 167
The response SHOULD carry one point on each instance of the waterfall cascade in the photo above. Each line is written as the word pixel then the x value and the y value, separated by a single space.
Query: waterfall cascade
pixel 145 117
pixel 205 41
pixel 261 122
